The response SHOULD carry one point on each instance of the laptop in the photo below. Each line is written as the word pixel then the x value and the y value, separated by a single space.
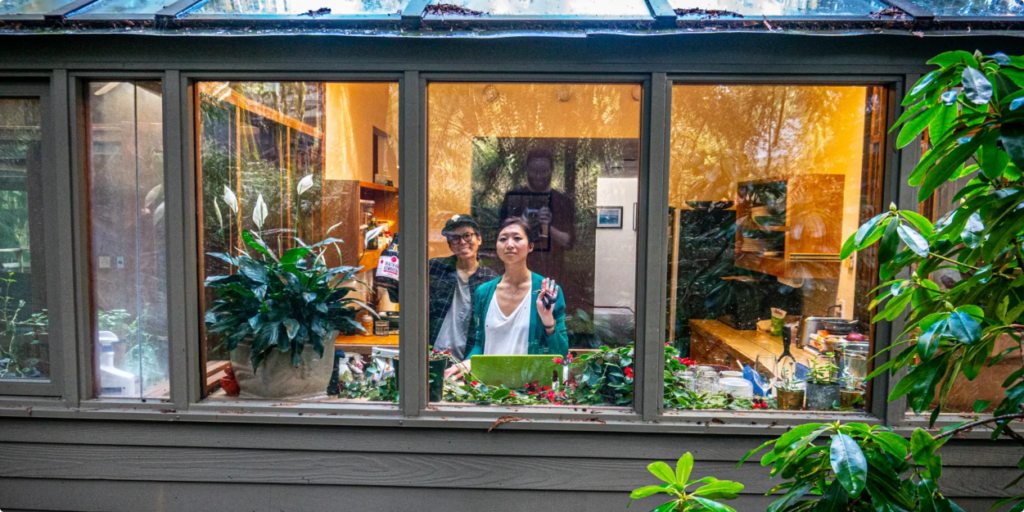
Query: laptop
pixel 514 372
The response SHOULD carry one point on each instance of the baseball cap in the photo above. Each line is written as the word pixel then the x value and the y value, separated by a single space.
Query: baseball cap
pixel 458 221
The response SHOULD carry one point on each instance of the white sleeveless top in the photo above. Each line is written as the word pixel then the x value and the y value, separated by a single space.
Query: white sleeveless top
pixel 507 335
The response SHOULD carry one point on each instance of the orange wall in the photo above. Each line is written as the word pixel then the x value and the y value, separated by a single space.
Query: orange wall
pixel 459 112
pixel 352 111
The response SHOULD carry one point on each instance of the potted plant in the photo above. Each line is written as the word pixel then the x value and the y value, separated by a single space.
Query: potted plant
pixel 437 362
pixel 822 385
pixel 277 315
pixel 790 395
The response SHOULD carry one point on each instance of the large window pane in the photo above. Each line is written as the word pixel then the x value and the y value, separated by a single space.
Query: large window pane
pixel 37 7
pixel 555 164
pixel 299 216
pixel 128 251
pixel 766 183
pixel 24 343
pixel 972 7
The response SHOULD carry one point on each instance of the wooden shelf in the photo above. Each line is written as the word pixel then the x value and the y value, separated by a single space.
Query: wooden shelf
pixel 373 186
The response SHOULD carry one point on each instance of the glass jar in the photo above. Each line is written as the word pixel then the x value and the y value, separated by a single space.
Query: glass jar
pixel 706 380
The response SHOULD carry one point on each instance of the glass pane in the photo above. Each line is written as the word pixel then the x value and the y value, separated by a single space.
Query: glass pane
pixel 128 251
pixel 24 343
pixel 696 9
pixel 30 6
pixel 558 165
pixel 124 7
pixel 766 183
pixel 285 7
pixel 973 7
pixel 300 239
pixel 631 8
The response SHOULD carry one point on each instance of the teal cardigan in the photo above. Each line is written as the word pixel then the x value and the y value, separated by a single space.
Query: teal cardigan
pixel 539 342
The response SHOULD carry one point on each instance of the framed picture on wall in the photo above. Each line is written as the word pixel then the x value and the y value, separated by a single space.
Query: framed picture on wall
pixel 609 217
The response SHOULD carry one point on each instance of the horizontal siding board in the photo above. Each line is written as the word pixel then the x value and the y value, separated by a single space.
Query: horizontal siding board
pixel 28 460
pixel 125 496
pixel 973 453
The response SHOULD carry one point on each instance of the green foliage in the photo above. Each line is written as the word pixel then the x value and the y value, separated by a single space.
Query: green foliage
pixel 823 371
pixel 282 303
pixel 970 108
pixel 705 497
pixel 19 339
pixel 860 468
pixel 605 376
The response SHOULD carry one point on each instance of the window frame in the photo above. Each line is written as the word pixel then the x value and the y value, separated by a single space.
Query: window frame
pixel 54 238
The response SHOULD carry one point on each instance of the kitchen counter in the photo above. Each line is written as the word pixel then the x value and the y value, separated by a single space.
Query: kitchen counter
pixel 713 342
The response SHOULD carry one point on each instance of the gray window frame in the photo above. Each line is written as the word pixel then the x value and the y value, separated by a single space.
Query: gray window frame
pixel 66 244
pixel 55 211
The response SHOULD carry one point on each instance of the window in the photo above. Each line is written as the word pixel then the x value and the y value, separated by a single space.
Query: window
pixel 127 244
pixel 766 183
pixel 299 216
pixel 568 8
pixel 24 322
pixel 529 182
pixel 740 8
pixel 293 7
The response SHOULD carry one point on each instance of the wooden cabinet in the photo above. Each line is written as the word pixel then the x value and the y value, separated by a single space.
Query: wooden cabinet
pixel 791 227
pixel 341 206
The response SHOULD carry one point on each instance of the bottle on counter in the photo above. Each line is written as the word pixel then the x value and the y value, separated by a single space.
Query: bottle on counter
pixel 372 243
pixel 366 321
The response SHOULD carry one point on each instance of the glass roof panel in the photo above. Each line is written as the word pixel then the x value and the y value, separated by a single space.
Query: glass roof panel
pixel 125 7
pixel 29 6
pixel 973 7
pixel 295 7
pixel 701 8
pixel 575 8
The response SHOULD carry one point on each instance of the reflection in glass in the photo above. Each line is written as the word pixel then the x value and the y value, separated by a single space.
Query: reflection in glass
pixel 30 6
pixel 551 7
pixel 335 7
pixel 128 252
pixel 562 158
pixel 973 7
pixel 290 170
pixel 766 183
pixel 24 343
pixel 124 7
pixel 781 7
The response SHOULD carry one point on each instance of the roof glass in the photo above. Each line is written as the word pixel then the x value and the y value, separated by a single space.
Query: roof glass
pixel 704 8
pixel 124 7
pixel 29 6
pixel 311 7
pixel 579 8
pixel 973 7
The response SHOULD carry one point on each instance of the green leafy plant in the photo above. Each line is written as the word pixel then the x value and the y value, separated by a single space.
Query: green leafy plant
pixel 605 376
pixel 823 371
pixel 704 497
pixel 860 468
pixel 19 338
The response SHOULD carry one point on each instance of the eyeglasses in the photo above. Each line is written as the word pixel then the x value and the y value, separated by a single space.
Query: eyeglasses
pixel 455 239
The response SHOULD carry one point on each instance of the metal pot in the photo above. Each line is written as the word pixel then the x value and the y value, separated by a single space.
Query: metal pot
pixel 821 397
pixel 277 378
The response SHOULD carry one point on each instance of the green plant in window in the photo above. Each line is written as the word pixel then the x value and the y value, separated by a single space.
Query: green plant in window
pixel 823 371
pixel 20 346
pixel 605 376
pixel 688 495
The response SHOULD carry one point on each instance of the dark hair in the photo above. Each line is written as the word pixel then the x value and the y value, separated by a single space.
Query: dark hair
pixel 540 152
pixel 521 222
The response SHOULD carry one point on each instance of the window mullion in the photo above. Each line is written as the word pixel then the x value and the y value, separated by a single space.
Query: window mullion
pixel 652 247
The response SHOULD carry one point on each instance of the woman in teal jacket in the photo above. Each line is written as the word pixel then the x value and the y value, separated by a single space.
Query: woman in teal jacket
pixel 521 312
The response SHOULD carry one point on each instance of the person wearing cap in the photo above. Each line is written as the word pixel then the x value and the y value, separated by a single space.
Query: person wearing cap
pixel 453 283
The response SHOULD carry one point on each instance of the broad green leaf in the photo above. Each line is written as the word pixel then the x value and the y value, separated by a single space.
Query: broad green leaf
pixel 981 405
pixel 1013 140
pixel 792 496
pixel 849 463
pixel 720 490
pixel 932 332
pixel 922 448
pixel 662 471
pixel 909 113
pixel 973 230
pixel 713 506
pixel 896 445
pixel 786 441
pixel 915 126
pixel 889 243
pixel 649 490
pixel 913 239
pixel 943 170
pixel 993 160
pixel 919 221
pixel 683 468
pixel 755 450
pixel 977 86
pixel 835 499
pixel 954 57
pixel 865 230
pixel 964 327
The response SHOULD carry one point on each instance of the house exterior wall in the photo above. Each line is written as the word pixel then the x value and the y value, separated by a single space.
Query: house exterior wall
pixel 72 453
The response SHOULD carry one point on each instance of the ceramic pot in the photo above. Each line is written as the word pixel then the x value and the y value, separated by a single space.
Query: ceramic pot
pixel 790 400
pixel 821 397
pixel 277 378
pixel 851 399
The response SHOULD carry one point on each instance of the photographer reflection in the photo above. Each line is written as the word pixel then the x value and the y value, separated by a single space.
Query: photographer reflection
pixel 551 215
pixel 453 284
pixel 522 312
